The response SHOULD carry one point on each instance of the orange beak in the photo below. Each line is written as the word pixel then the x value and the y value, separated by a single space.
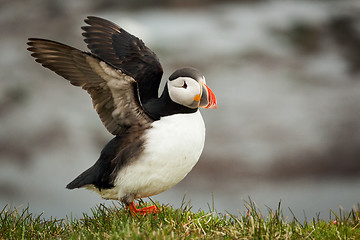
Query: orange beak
pixel 207 99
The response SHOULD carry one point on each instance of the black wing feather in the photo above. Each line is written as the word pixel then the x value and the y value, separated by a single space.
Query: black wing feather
pixel 114 94
pixel 125 52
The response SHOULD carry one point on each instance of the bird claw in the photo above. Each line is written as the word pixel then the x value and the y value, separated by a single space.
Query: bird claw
pixel 142 211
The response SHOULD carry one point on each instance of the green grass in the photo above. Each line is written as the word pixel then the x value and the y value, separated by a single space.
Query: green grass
pixel 115 222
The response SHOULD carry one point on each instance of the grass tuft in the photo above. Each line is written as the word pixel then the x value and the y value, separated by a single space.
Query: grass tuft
pixel 115 222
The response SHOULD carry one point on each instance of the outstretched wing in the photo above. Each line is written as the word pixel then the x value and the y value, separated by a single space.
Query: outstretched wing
pixel 114 93
pixel 125 52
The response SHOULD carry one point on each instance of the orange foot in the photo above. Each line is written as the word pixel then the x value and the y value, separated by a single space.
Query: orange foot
pixel 143 211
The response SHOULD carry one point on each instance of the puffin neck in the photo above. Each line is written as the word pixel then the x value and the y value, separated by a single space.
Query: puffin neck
pixel 164 106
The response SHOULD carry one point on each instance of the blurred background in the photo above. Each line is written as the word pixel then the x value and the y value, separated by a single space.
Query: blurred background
pixel 287 79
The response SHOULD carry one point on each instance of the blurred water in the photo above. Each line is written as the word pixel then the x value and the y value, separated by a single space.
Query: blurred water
pixel 287 124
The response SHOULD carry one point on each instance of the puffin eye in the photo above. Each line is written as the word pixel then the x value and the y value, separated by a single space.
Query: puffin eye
pixel 184 85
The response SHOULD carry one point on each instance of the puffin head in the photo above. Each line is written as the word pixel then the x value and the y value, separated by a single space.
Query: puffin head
pixel 187 87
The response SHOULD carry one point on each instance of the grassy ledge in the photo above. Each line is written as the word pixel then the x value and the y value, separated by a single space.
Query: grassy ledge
pixel 115 222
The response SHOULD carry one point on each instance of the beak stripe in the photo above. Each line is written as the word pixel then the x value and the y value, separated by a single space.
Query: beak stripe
pixel 209 98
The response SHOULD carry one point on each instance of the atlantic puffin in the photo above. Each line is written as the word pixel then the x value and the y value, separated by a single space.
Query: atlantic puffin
pixel 158 140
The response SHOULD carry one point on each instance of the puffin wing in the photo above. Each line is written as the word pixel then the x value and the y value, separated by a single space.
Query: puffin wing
pixel 114 93
pixel 125 52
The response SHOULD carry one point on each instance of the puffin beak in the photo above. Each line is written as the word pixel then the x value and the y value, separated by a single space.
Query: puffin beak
pixel 207 98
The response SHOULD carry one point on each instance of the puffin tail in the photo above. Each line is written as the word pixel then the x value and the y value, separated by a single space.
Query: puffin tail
pixel 99 174
pixel 90 176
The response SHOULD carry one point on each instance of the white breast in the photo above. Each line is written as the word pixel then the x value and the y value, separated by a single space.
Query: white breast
pixel 173 146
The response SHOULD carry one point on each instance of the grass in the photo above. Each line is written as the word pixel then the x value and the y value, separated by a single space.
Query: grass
pixel 115 222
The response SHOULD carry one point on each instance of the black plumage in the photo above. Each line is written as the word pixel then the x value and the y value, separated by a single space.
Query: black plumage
pixel 117 104
pixel 121 150
pixel 124 51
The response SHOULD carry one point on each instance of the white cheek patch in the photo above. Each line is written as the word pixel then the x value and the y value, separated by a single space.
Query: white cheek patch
pixel 176 95
pixel 184 96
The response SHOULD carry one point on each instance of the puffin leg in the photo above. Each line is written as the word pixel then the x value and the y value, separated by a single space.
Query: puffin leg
pixel 143 211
